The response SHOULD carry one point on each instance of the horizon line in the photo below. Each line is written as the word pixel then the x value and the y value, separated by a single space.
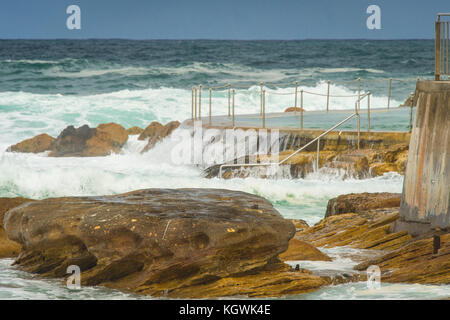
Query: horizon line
pixel 211 39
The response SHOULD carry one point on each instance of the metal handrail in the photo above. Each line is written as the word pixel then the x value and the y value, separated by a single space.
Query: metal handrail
pixel 294 153
pixel 441 50
pixel 196 94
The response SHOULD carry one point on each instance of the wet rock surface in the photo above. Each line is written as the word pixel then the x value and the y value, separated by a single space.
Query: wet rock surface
pixel 402 258
pixel 176 243
pixel 84 141
pixel 294 109
pixel 299 224
pixel 364 230
pixel 301 250
pixel 135 130
pixel 40 143
pixel 161 133
pixel 364 163
pixel 150 130
pixel 9 248
pixel 358 202
pixel 103 140
pixel 416 262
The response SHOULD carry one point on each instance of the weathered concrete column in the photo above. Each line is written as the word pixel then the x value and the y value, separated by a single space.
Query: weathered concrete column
pixel 426 190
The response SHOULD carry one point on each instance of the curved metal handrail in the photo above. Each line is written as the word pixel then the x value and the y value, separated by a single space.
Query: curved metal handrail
pixel 291 155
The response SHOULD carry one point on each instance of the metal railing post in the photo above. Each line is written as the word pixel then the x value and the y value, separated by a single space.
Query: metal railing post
pixel 317 157
pixel 233 107
pixel 359 130
pixel 229 88
pixel 359 92
pixel 199 101
pixel 389 93
pixel 368 112
pixel 296 93
pixel 264 109
pixel 447 69
pixel 443 48
pixel 261 97
pixel 192 105
pixel 210 103
pixel 328 95
pixel 358 120
pixel 437 50
pixel 195 105
pixel 301 109
pixel 410 114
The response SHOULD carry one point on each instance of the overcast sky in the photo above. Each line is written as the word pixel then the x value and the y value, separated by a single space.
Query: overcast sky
pixel 223 19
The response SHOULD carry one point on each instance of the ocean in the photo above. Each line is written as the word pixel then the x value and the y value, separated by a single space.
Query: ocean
pixel 46 85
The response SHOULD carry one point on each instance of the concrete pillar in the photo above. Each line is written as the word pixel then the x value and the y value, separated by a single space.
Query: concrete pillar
pixel 425 201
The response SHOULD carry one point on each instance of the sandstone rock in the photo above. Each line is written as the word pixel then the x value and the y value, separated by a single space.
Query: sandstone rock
pixel 402 258
pixel 150 131
pixel 358 202
pixel 135 130
pixel 157 241
pixel 160 134
pixel 301 250
pixel 272 281
pixel 299 224
pixel 39 143
pixel 71 141
pixel 355 163
pixel 89 142
pixel 364 230
pixel 415 263
pixel 109 137
pixel 8 248
pixel 292 109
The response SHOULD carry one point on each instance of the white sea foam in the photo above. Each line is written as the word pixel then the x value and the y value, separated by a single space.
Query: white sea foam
pixel 39 176
pixel 19 285
pixel 27 114
pixel 85 73
pixel 388 291
pixel 32 61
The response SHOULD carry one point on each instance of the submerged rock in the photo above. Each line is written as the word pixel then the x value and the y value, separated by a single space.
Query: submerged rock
pixel 8 248
pixel 179 242
pixel 40 143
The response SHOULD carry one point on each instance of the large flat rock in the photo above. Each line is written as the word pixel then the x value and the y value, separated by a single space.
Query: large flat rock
pixel 156 241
